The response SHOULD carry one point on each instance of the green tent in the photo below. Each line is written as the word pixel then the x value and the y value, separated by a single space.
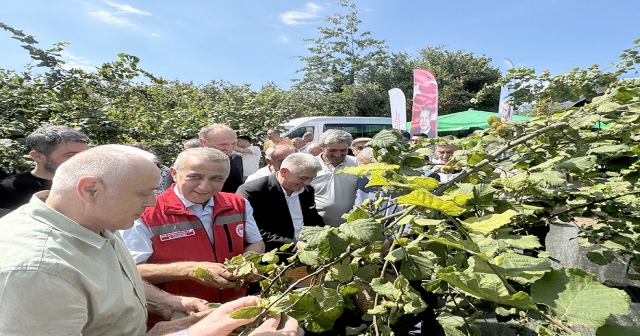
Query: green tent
pixel 465 122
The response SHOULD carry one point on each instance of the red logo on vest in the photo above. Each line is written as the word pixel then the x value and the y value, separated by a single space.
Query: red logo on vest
pixel 177 234
pixel 240 230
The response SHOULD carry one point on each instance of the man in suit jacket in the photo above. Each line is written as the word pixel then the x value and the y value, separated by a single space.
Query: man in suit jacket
pixel 283 202
pixel 224 139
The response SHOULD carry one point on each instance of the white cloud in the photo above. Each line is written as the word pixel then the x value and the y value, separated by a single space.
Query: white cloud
pixel 283 39
pixel 76 62
pixel 118 17
pixel 111 18
pixel 298 17
pixel 127 9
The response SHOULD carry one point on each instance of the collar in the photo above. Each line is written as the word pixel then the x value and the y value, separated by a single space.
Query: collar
pixel 329 164
pixel 41 212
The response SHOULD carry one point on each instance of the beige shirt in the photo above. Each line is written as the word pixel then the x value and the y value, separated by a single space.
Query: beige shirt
pixel 283 141
pixel 335 193
pixel 59 278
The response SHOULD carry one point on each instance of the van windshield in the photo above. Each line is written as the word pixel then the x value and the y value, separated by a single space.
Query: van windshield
pixel 359 130
pixel 299 132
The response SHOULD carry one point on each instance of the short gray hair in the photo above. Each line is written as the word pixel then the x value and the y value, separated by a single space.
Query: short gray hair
pixel 45 139
pixel 214 128
pixel 269 152
pixel 365 155
pixel 192 143
pixel 334 136
pixel 201 153
pixel 298 162
pixel 110 163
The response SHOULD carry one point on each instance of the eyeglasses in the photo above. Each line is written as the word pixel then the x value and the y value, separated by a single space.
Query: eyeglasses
pixel 359 148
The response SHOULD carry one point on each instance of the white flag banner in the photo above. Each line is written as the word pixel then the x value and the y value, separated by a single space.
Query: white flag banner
pixel 505 110
pixel 398 109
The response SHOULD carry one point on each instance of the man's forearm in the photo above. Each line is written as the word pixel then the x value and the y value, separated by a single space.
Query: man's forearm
pixel 155 294
pixel 161 273
pixel 243 150
pixel 257 247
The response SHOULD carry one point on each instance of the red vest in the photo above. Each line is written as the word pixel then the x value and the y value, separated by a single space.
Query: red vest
pixel 178 235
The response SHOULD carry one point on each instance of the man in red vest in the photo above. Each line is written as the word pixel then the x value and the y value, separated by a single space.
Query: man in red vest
pixel 192 226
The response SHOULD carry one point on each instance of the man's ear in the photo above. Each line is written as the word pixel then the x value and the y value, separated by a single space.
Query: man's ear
pixel 284 171
pixel 89 187
pixel 37 156
pixel 174 173
pixel 202 142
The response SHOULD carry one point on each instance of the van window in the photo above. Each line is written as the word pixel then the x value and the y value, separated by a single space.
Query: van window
pixel 359 130
pixel 299 132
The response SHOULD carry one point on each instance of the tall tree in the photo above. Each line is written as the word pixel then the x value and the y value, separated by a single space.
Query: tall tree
pixel 341 55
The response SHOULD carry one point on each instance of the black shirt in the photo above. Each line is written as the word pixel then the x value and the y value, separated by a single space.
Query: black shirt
pixel 236 173
pixel 17 190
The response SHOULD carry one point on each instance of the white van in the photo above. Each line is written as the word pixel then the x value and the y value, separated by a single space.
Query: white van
pixel 358 126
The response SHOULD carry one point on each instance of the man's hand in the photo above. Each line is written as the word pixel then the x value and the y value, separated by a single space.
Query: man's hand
pixel 219 323
pixel 220 277
pixel 187 305
pixel 270 325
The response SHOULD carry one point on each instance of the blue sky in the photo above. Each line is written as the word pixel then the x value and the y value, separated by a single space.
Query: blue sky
pixel 256 41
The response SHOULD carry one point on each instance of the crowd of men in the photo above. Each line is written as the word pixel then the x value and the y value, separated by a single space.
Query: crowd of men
pixel 100 243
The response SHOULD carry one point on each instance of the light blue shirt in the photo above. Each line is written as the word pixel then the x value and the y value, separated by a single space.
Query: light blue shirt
pixel 138 238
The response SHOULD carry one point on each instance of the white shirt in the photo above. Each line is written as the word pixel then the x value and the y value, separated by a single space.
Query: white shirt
pixel 251 161
pixel 293 202
pixel 138 238
pixel 262 172
pixel 335 193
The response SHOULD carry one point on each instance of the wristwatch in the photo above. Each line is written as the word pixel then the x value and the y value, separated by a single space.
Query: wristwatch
pixel 183 332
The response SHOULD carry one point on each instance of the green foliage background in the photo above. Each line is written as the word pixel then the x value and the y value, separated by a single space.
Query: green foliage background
pixel 121 102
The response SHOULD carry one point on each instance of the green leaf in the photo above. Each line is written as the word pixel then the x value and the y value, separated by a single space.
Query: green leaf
pixel 363 230
pixel 548 178
pixel 270 257
pixel 362 170
pixel 579 164
pixel 351 288
pixel 395 255
pixel 313 235
pixel 609 149
pixel 342 271
pixel 203 274
pixel 420 182
pixel 377 180
pixel 358 213
pixel 310 258
pixel 464 245
pixel 600 256
pixel 428 200
pixel 519 242
pixel 332 246
pixel 417 267
pixel 385 138
pixel 485 286
pixel 476 157
pixel 246 312
pixel 576 297
pixel 527 268
pixel 384 287
pixel 612 329
pixel 490 223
